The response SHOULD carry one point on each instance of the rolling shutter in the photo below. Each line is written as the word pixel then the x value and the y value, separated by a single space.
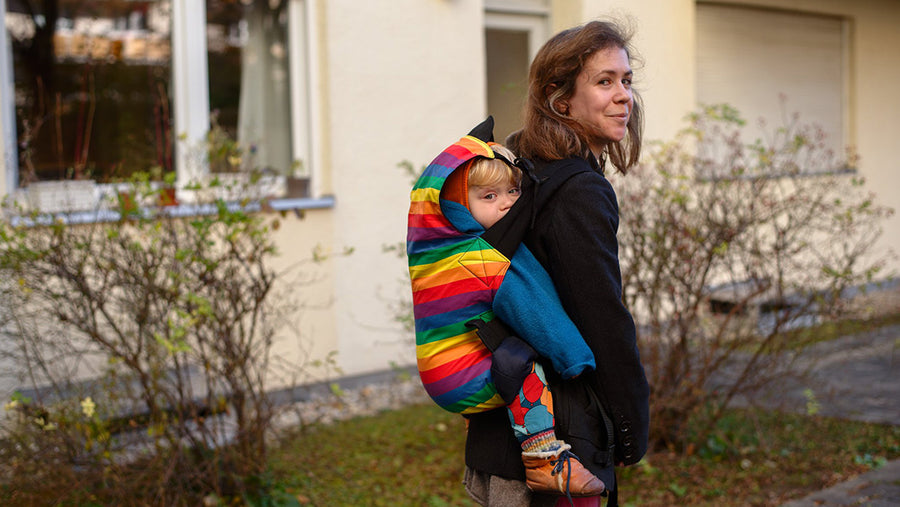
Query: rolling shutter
pixel 770 64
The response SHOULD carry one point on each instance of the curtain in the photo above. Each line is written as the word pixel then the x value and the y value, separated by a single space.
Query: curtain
pixel 264 124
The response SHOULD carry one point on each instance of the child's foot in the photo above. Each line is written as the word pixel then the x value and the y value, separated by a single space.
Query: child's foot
pixel 559 471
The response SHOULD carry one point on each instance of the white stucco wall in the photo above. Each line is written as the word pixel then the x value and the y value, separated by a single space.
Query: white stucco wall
pixel 307 285
pixel 404 82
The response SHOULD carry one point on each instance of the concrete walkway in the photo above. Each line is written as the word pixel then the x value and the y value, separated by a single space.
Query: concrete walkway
pixel 878 488
pixel 858 377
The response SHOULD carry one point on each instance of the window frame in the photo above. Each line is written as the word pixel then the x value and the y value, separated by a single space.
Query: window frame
pixel 525 17
pixel 8 135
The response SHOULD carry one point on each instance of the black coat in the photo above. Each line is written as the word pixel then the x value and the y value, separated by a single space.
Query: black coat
pixel 574 238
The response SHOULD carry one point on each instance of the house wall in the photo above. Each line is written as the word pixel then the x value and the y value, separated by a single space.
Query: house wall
pixel 399 80
pixel 402 83
pixel 308 284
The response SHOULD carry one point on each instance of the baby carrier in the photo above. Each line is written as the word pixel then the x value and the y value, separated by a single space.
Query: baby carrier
pixel 458 275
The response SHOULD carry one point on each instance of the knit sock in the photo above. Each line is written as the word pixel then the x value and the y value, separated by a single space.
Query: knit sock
pixel 541 441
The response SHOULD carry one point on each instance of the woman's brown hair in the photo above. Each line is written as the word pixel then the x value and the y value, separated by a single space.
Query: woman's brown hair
pixel 549 135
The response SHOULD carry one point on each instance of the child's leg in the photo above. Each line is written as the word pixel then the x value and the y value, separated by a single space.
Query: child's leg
pixel 549 466
pixel 531 413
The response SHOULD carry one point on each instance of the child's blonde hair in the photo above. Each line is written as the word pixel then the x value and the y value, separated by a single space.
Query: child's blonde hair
pixel 485 172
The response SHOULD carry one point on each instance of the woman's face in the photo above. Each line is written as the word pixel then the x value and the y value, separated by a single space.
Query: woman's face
pixel 603 99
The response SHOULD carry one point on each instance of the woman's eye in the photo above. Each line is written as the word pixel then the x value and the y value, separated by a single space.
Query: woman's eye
pixel 605 81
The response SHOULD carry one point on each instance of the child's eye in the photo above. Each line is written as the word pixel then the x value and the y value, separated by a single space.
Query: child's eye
pixel 490 196
pixel 515 191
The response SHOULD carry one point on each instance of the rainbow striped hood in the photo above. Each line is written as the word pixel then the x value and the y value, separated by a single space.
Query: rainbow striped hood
pixel 454 278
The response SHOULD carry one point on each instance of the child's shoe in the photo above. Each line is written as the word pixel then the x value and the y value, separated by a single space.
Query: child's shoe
pixel 559 471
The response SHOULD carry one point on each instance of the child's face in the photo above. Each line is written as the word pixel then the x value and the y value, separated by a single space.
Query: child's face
pixel 489 204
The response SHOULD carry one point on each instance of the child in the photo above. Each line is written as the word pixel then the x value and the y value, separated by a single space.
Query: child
pixel 460 278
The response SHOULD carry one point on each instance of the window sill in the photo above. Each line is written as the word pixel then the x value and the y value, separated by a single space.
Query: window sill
pixel 296 204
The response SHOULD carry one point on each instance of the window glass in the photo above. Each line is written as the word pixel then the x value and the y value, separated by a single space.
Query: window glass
pixel 92 87
pixel 249 86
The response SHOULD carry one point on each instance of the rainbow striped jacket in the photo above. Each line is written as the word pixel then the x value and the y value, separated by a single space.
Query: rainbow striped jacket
pixel 457 275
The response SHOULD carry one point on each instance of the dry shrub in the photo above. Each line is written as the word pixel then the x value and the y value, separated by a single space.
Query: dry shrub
pixel 146 343
pixel 725 246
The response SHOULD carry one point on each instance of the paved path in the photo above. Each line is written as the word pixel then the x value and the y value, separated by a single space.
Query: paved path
pixel 858 377
pixel 878 488
pixel 855 377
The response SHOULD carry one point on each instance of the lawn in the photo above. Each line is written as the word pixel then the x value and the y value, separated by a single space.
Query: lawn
pixel 414 456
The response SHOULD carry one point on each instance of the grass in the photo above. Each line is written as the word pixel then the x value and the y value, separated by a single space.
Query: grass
pixel 411 456
pixel 759 458
pixel 807 336
pixel 414 456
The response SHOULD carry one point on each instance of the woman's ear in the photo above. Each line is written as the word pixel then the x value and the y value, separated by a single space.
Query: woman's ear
pixel 558 106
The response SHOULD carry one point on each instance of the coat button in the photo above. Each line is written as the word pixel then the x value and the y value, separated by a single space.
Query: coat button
pixel 625 427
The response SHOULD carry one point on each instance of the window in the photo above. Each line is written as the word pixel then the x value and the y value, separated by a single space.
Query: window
pixel 249 82
pixel 514 31
pixel 103 89
pixel 90 88
pixel 771 64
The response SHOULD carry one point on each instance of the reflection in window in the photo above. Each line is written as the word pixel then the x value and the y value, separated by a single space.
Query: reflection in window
pixel 249 89
pixel 92 85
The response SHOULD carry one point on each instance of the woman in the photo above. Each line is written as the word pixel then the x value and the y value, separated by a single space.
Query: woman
pixel 581 110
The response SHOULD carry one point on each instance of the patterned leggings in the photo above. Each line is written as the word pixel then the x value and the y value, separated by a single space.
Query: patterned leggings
pixel 531 413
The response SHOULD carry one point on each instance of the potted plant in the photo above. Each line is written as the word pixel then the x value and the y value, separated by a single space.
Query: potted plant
pixel 297 182
pixel 166 194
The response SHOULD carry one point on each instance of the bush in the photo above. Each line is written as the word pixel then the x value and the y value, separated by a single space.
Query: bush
pixel 725 247
pixel 146 342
